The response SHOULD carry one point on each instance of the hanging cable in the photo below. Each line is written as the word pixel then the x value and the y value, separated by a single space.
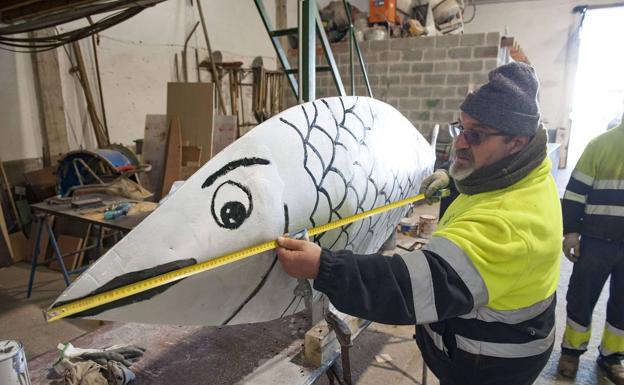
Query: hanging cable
pixel 44 43
pixel 474 12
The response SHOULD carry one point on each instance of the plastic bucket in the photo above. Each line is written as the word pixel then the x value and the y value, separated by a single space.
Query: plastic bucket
pixel 426 225
pixel 13 368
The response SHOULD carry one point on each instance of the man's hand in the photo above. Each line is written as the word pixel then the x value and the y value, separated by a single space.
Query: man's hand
pixel 300 259
pixel 432 184
pixel 572 246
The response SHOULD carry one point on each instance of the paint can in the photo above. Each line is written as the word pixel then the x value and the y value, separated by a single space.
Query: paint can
pixel 405 225
pixel 426 225
pixel 13 368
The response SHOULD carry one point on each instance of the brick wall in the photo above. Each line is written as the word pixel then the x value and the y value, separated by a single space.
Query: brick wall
pixel 426 78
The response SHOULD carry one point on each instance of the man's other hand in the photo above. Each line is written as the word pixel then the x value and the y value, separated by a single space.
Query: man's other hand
pixel 300 259
pixel 432 184
pixel 572 246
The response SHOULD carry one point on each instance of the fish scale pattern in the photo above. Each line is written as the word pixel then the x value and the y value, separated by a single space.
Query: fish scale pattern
pixel 365 183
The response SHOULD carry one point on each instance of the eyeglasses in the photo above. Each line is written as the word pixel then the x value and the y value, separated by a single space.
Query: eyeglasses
pixel 473 137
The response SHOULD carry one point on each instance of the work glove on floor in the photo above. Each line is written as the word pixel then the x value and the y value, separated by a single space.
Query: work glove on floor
pixel 118 374
pixel 572 246
pixel 126 355
pixel 432 184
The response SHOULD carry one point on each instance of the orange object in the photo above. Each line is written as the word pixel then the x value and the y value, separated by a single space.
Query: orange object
pixel 382 11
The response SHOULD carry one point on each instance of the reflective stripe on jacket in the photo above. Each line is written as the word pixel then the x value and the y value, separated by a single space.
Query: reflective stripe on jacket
pixel 593 203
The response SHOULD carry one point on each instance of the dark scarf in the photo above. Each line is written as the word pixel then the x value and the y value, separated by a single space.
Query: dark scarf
pixel 506 171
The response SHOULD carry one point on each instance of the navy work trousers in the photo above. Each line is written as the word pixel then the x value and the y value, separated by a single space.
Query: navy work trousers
pixel 599 260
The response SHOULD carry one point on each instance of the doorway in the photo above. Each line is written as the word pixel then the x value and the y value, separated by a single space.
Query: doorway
pixel 599 87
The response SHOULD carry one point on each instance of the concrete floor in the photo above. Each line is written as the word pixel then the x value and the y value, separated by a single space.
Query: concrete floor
pixel 22 319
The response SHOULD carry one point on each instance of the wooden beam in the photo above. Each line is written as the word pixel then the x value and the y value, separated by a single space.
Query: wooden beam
pixel 6 251
pixel 51 106
pixel 173 160
pixel 5 184
pixel 101 135
pixel 155 152
pixel 320 343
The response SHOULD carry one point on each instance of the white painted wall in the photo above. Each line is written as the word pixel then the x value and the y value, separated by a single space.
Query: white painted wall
pixel 136 62
pixel 541 27
pixel 16 109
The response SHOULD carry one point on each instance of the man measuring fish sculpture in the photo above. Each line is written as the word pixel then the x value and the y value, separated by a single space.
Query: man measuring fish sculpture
pixel 482 292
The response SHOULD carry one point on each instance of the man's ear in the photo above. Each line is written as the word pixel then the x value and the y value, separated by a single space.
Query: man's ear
pixel 517 144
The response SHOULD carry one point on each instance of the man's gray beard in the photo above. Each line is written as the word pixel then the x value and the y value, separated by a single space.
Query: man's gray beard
pixel 460 173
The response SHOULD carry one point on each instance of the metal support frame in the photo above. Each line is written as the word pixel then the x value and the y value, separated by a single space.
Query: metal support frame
pixel 310 27
pixel 41 222
pixel 329 56
pixel 354 44
pixel 279 50
pixel 307 50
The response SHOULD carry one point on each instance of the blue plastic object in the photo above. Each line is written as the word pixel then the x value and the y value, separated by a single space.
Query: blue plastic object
pixel 120 210
pixel 106 164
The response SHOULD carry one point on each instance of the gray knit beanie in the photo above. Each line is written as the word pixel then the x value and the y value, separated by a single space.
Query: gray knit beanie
pixel 508 101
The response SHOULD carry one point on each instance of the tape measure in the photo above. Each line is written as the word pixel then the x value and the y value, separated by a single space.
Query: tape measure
pixel 91 302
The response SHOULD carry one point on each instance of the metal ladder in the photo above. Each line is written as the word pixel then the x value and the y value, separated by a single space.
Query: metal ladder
pixel 311 26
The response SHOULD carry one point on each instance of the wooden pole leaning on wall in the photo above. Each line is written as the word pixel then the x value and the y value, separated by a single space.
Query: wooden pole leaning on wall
pixel 184 52
pixel 213 68
pixel 101 135
pixel 94 44
pixel 173 156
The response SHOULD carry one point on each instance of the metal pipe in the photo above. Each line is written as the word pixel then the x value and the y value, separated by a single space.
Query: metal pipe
pixel 307 51
pixel 99 79
pixel 351 38
pixel 359 53
pixel 213 68
pixel 184 66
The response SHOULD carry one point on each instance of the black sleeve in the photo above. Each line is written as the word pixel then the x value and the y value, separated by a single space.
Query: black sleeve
pixel 373 286
pixel 452 297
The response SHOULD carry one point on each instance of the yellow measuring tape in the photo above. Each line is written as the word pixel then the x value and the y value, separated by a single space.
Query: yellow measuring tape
pixel 91 302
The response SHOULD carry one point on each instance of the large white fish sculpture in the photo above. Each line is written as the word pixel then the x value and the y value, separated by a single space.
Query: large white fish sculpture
pixel 309 165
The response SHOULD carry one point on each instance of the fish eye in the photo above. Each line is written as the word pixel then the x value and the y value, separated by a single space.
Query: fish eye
pixel 231 204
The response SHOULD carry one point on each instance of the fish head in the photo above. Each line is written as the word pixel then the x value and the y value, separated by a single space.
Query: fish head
pixel 236 200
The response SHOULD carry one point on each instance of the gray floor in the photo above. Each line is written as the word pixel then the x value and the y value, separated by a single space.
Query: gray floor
pixel 22 319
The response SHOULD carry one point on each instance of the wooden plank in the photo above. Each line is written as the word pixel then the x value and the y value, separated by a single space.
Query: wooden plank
pixel 154 152
pixel 67 244
pixel 191 155
pixel 20 246
pixel 85 243
pixel 7 186
pixel 43 244
pixel 173 160
pixel 6 252
pixel 191 160
pixel 41 183
pixel 223 132
pixel 101 136
pixel 51 105
pixel 320 343
pixel 193 103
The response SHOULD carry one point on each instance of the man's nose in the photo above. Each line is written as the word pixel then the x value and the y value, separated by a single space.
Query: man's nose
pixel 461 142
